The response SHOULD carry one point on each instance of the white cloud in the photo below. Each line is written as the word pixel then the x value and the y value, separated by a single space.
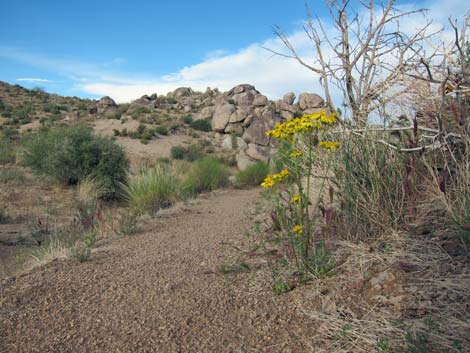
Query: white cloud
pixel 34 80
pixel 272 75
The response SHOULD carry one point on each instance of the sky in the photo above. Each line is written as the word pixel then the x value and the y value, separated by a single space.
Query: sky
pixel 125 49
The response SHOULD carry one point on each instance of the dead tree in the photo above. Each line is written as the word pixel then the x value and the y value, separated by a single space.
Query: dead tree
pixel 365 54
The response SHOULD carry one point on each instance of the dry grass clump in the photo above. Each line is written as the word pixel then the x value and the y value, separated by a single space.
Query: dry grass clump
pixel 448 197
pixel 398 295
pixel 154 188
pixel 374 186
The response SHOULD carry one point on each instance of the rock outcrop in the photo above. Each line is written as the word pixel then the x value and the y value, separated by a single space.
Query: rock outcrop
pixel 240 117
pixel 105 106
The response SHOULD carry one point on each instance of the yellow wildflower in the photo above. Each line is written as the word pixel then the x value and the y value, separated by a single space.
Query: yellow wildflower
pixel 268 182
pixel 328 119
pixel 272 180
pixel 304 124
pixel 298 229
pixel 295 199
pixel 296 153
pixel 329 145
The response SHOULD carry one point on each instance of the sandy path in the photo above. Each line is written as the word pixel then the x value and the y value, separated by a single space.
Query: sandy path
pixel 154 292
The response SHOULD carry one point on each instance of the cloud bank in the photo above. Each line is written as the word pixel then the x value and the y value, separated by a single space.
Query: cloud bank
pixel 272 75
pixel 34 80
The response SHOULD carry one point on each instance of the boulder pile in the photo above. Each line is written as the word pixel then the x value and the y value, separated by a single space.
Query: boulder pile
pixel 239 117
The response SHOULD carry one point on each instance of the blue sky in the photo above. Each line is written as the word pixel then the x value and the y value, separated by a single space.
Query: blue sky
pixel 126 49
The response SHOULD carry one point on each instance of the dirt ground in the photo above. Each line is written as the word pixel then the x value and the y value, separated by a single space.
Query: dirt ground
pixel 137 151
pixel 155 292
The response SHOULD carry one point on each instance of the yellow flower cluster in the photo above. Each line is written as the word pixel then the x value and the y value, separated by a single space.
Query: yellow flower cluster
pixel 272 180
pixel 296 153
pixel 295 199
pixel 306 123
pixel 329 145
pixel 298 229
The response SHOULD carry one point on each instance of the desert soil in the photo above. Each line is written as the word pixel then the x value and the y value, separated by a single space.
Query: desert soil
pixel 158 291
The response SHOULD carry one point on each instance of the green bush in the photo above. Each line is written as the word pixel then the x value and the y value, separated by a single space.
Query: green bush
pixel 70 154
pixel 201 125
pixel 190 153
pixel 206 174
pixel 178 152
pixel 253 175
pixel 11 176
pixel 187 119
pixel 7 152
pixel 162 130
pixel 153 189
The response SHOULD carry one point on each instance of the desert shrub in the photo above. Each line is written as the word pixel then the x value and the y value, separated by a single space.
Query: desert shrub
pixel 9 133
pixel 201 125
pixel 70 154
pixel 187 119
pixel 177 152
pixel 190 153
pixel 141 110
pixel 11 176
pixel 229 160
pixel 7 152
pixel 54 108
pixel 206 174
pixel 115 115
pixel 4 217
pixel 162 130
pixel 253 175
pixel 153 189
pixel 80 252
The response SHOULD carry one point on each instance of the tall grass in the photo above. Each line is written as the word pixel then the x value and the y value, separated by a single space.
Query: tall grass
pixel 253 175
pixel 448 202
pixel 153 189
pixel 373 183
pixel 89 192
pixel 206 174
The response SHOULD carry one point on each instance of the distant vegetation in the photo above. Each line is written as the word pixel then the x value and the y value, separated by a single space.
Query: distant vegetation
pixel 253 175
pixel 207 174
pixel 154 188
pixel 72 153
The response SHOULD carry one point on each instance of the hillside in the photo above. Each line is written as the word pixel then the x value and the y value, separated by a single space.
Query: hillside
pixel 142 227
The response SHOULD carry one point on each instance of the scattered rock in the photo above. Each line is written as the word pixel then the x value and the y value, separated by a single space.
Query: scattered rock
pixel 227 143
pixel 244 99
pixel 221 117
pixel 257 152
pixel 310 100
pixel 241 144
pixel 289 98
pixel 234 129
pixel 244 161
pixel 260 101
pixel 182 92
pixel 238 116
pixel 256 132
pixel 106 105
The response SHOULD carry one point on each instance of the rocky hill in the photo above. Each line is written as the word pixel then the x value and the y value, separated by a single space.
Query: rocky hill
pixel 239 118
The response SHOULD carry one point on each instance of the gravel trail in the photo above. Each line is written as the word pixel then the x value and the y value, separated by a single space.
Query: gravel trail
pixel 155 292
